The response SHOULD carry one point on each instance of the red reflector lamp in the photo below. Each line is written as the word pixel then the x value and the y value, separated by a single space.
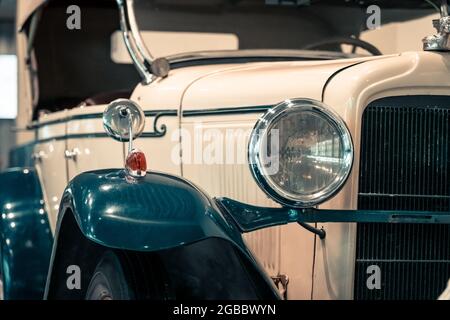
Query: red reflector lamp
pixel 136 164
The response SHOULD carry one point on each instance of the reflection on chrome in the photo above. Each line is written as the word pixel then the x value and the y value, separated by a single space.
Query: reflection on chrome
pixel 314 153
pixel 331 159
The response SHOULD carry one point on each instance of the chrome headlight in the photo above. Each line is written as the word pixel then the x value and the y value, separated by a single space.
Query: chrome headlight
pixel 300 153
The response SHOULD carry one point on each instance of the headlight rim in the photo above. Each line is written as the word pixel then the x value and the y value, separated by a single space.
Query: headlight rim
pixel 266 122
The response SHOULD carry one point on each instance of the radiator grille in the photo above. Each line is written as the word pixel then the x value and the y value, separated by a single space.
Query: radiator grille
pixel 405 155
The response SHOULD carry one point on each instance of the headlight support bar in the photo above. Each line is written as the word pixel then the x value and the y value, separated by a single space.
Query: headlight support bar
pixel 250 218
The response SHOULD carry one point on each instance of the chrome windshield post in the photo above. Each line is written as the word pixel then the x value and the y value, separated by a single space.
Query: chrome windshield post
pixel 439 41
pixel 147 66
pixel 444 8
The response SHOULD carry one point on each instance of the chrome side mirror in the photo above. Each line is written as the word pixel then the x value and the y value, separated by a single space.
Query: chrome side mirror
pixel 123 119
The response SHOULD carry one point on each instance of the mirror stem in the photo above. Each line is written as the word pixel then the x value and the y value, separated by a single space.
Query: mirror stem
pixel 130 132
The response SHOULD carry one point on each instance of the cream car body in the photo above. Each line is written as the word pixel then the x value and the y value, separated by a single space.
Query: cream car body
pixel 221 97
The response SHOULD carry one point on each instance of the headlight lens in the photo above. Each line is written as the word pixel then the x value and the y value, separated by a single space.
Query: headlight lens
pixel 300 153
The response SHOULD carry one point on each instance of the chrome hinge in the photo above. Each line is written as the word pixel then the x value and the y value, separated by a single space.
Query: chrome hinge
pixel 281 282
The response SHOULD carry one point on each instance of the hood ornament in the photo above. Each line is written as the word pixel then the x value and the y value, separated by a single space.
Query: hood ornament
pixel 439 41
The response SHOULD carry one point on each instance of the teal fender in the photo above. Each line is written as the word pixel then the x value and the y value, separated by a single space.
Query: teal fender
pixel 156 212
pixel 25 236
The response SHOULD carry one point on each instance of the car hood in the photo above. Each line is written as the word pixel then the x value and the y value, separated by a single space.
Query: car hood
pixel 268 83
pixel 240 84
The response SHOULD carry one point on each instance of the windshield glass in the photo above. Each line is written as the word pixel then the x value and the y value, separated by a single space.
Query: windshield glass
pixel 179 26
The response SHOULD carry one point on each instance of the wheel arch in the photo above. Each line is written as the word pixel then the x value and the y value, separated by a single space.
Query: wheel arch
pixel 71 248
pixel 25 235
pixel 101 210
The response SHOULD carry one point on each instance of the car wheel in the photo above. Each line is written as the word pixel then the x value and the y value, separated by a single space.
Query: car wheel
pixel 109 281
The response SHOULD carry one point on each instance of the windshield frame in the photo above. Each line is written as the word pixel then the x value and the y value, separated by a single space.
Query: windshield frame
pixel 150 68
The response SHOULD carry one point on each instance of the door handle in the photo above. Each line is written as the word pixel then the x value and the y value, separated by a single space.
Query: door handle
pixel 38 156
pixel 72 154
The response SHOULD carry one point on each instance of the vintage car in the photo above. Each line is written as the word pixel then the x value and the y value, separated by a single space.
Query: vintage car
pixel 259 172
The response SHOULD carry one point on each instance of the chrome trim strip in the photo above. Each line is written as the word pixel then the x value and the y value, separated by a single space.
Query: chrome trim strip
pixel 161 131
pixel 98 115
pixel 158 131
pixel 158 114
pixel 222 111
pixel 257 55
